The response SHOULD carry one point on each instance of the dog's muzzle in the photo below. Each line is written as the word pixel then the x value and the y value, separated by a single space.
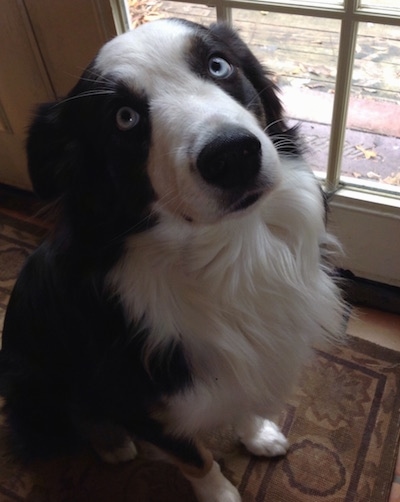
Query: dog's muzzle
pixel 231 160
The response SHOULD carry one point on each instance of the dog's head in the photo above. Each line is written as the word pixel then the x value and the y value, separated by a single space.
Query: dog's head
pixel 171 117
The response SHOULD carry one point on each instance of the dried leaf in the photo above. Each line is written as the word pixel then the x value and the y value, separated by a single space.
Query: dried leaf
pixel 296 71
pixel 142 11
pixel 357 175
pixel 393 180
pixel 321 70
pixel 368 153
pixel 373 176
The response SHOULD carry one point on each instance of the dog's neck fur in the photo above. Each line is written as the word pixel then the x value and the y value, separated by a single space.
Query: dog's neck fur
pixel 206 287
pixel 282 235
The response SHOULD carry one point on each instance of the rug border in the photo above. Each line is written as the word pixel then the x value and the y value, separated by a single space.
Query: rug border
pixel 383 489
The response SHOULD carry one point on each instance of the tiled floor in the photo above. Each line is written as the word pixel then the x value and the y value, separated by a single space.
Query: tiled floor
pixel 383 329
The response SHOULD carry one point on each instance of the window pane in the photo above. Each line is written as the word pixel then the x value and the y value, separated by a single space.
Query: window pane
pixel 142 11
pixel 372 152
pixel 391 4
pixel 193 12
pixel 302 52
pixel 323 3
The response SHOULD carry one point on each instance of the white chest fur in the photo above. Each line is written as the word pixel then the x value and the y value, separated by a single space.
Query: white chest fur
pixel 246 297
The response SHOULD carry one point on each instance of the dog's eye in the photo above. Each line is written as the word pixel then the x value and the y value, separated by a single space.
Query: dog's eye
pixel 219 68
pixel 126 118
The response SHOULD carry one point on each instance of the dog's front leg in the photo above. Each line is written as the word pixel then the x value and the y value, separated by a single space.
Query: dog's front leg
pixel 111 442
pixel 207 481
pixel 262 437
pixel 214 487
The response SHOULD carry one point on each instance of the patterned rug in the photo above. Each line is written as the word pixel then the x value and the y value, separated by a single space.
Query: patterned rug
pixel 342 423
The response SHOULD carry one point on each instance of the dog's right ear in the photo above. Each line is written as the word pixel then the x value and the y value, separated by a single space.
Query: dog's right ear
pixel 52 152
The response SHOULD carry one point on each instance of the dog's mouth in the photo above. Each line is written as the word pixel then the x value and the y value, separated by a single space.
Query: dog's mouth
pixel 239 205
pixel 245 202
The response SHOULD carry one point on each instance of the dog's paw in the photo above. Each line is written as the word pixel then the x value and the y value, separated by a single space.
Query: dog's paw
pixel 214 487
pixel 263 438
pixel 123 453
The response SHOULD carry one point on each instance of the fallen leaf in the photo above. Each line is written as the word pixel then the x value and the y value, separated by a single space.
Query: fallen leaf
pixel 373 176
pixel 393 180
pixel 357 175
pixel 368 153
pixel 142 11
pixel 320 70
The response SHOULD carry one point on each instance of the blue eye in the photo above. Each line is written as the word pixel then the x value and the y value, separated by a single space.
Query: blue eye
pixel 219 67
pixel 126 118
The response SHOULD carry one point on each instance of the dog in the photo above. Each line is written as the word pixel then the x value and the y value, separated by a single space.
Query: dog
pixel 186 277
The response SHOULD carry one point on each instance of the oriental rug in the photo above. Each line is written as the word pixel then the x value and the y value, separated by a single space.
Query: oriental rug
pixel 342 423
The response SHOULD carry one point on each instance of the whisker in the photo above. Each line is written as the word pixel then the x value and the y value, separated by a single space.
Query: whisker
pixel 97 77
pixel 271 124
pixel 270 84
pixel 287 145
pixel 85 94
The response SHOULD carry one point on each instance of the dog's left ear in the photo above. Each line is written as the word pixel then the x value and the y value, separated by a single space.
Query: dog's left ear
pixel 52 152
pixel 258 76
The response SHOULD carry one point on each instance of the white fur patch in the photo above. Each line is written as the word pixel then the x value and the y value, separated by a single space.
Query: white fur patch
pixel 262 437
pixel 214 487
pixel 246 297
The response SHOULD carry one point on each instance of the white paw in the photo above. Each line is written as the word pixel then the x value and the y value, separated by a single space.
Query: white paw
pixel 263 438
pixel 214 487
pixel 122 454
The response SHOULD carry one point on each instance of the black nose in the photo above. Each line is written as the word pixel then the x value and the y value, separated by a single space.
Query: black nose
pixel 230 160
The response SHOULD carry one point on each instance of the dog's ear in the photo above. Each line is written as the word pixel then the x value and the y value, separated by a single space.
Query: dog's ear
pixel 52 152
pixel 260 78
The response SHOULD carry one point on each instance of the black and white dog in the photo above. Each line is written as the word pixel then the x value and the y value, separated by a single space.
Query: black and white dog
pixel 184 282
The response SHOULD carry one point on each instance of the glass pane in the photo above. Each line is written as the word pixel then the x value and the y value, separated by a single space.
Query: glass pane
pixel 372 153
pixel 323 3
pixel 302 52
pixel 386 4
pixel 193 12
pixel 142 11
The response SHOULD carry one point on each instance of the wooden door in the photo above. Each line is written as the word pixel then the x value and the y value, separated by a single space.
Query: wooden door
pixel 44 47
